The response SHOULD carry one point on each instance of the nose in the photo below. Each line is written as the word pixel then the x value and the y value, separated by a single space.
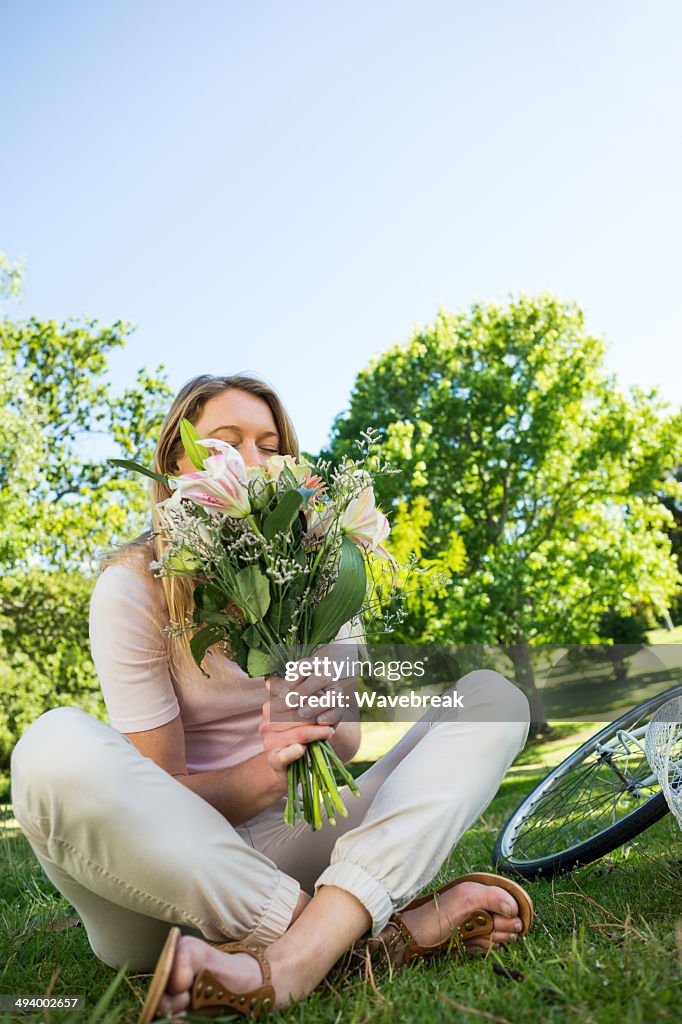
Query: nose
pixel 252 455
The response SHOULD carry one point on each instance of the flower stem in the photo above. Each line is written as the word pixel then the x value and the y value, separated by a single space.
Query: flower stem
pixel 328 777
pixel 317 815
pixel 335 762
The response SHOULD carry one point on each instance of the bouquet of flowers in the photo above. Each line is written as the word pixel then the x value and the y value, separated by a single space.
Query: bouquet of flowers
pixel 282 560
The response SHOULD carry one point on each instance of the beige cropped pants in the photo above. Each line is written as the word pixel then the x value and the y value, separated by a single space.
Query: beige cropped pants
pixel 134 850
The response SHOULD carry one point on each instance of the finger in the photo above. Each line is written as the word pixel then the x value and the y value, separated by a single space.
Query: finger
pixel 275 739
pixel 290 705
pixel 287 755
pixel 272 728
pixel 310 733
pixel 332 716
pixel 314 683
pixel 334 705
pixel 294 675
pixel 276 712
pixel 308 682
pixel 277 686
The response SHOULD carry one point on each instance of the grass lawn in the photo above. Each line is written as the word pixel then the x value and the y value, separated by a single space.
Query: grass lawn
pixel 606 946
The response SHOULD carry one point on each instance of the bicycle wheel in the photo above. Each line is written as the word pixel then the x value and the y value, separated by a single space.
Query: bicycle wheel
pixel 603 794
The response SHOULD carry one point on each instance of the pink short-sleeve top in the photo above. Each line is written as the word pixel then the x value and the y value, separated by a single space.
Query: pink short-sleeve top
pixel 139 678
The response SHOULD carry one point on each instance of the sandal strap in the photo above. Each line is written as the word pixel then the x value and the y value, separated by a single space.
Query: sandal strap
pixel 477 924
pixel 210 991
pixel 398 939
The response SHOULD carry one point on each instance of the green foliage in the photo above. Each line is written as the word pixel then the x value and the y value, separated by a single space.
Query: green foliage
pixel 22 448
pixel 60 504
pixel 345 598
pixel 673 502
pixel 517 450
pixel 630 630
pixel 44 650
pixel 11 277
pixel 81 502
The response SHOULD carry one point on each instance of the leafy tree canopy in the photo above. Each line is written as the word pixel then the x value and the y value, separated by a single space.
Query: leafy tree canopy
pixel 59 398
pixel 526 468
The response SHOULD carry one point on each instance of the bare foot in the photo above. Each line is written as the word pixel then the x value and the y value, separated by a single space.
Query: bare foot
pixel 298 959
pixel 239 972
pixel 291 978
pixel 435 921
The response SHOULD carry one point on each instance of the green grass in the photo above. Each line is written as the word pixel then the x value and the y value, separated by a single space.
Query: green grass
pixel 606 946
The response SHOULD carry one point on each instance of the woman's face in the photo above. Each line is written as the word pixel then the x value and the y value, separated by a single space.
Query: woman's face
pixel 242 420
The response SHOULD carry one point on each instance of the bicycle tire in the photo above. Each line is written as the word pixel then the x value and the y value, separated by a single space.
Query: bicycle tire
pixel 603 841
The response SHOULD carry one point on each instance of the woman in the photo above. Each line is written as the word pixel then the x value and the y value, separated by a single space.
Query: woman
pixel 173 812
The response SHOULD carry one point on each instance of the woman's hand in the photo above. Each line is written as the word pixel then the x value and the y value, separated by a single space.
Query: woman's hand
pixel 289 722
pixel 312 696
pixel 285 741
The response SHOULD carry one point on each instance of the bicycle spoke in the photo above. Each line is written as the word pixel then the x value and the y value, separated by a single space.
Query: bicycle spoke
pixel 599 790
pixel 570 815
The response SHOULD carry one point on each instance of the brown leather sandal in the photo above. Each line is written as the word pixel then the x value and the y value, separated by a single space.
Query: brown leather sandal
pixel 401 948
pixel 207 990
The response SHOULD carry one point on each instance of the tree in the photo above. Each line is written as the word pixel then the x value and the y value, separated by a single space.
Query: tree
pixel 513 442
pixel 11 277
pixel 61 503
pixel 44 651
pixel 674 530
pixel 21 442
pixel 83 504
pixel 22 448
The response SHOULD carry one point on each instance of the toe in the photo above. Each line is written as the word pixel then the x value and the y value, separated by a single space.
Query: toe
pixel 495 939
pixel 492 898
pixel 508 925
pixel 188 957
pixel 173 1004
pixel 478 947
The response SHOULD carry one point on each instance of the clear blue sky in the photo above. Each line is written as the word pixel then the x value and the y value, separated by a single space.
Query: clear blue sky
pixel 288 187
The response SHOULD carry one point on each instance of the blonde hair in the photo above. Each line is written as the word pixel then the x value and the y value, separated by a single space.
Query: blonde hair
pixel 147 547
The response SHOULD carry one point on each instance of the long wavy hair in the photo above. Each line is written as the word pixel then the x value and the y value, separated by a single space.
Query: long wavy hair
pixel 147 547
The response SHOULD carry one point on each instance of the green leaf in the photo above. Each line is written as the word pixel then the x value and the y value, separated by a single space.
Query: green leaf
pixel 280 617
pixel 298 528
pixel 261 496
pixel 240 651
pixel 208 597
pixel 190 436
pixel 260 663
pixel 253 592
pixel 137 468
pixel 216 618
pixel 202 640
pixel 252 638
pixel 283 514
pixel 344 600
